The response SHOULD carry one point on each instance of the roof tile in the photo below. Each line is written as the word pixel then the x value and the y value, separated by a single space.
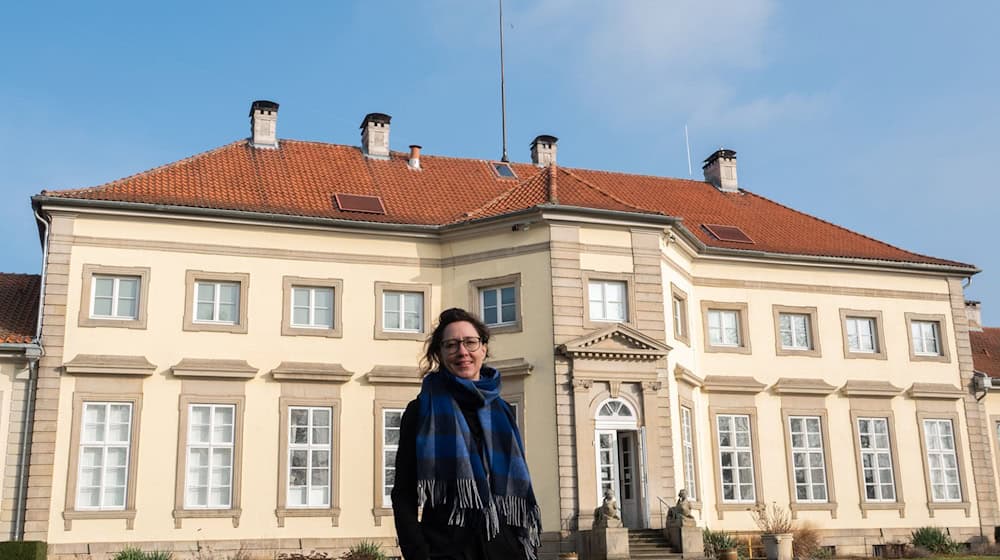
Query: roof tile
pixel 299 179
pixel 986 350
pixel 18 307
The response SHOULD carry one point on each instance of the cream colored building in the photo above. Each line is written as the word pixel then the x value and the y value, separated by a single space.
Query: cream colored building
pixel 229 341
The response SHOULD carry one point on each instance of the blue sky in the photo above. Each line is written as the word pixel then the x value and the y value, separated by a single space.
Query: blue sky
pixel 878 116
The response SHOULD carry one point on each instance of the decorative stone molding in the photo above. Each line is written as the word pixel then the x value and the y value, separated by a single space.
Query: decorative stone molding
pixel 228 369
pixel 106 364
pixel 866 388
pixel 651 386
pixel 311 371
pixel 802 386
pixel 615 388
pixel 397 375
pixel 684 375
pixel 617 342
pixel 513 367
pixel 582 385
pixel 732 384
pixel 943 391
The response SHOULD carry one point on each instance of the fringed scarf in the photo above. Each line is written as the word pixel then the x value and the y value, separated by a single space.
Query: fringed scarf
pixel 451 473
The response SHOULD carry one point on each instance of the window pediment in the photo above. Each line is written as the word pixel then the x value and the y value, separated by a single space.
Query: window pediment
pixel 104 364
pixel 617 342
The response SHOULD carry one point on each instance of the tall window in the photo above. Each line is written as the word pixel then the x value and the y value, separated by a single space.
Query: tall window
pixel 217 302
pixel 941 459
pixel 498 305
pixel 115 297
pixel 104 455
pixel 403 311
pixel 391 419
pixel 876 460
pixel 309 456
pixel 794 331
pixel 679 310
pixel 312 307
pixel 926 338
pixel 723 327
pixel 607 301
pixel 687 435
pixel 808 462
pixel 861 335
pixel 210 442
pixel 736 458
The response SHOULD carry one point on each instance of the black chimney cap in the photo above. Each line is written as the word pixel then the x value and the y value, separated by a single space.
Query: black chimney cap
pixel 263 105
pixel 720 153
pixel 548 138
pixel 376 117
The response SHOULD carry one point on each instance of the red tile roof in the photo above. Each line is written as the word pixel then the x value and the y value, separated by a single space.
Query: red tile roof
pixel 986 350
pixel 300 179
pixel 18 307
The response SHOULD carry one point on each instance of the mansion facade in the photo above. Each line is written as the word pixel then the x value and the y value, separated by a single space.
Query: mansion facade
pixel 228 342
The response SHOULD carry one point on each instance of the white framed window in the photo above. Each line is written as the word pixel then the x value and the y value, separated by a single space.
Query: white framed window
pixel 217 302
pixel 794 331
pixel 677 308
pixel 724 327
pixel 808 461
pixel 862 336
pixel 309 440
pixel 876 460
pixel 312 307
pixel 391 421
pixel 926 336
pixel 498 305
pixel 115 297
pixel 105 438
pixel 736 458
pixel 942 460
pixel 687 438
pixel 608 300
pixel 210 446
pixel 402 311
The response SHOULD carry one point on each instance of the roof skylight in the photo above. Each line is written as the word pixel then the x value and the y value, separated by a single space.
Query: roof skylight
pixel 728 233
pixel 359 203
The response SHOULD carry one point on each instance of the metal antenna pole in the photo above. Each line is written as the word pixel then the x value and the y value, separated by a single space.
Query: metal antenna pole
pixel 687 143
pixel 503 91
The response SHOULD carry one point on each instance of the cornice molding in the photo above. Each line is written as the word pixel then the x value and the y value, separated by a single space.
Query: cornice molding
pixel 311 371
pixel 108 364
pixel 225 369
pixel 802 386
pixel 732 384
pixel 394 375
pixel 866 388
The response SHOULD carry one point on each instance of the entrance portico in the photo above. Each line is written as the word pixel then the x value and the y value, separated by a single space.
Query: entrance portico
pixel 620 423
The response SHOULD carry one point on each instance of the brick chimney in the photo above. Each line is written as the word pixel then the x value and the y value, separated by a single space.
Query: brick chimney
pixel 543 150
pixel 974 311
pixel 720 170
pixel 264 124
pixel 375 135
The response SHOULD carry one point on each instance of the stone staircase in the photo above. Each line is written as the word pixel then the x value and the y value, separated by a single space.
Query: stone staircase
pixel 650 544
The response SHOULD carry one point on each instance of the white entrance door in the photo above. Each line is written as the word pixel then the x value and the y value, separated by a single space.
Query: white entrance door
pixel 628 471
pixel 607 464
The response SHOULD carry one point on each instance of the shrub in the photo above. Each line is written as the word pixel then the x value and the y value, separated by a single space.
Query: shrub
pixel 365 550
pixel 934 540
pixel 134 553
pixel 916 552
pixel 22 550
pixel 772 520
pixel 313 555
pixel 805 541
pixel 716 541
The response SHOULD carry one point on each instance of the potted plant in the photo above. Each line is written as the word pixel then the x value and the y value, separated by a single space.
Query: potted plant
pixel 775 524
pixel 719 544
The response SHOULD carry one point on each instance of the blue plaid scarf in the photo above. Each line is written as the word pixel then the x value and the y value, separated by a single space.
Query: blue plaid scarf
pixel 450 471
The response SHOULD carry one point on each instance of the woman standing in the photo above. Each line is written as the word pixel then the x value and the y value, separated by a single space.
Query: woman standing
pixel 461 459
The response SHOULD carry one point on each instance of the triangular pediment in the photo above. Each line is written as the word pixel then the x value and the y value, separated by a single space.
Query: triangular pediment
pixel 615 342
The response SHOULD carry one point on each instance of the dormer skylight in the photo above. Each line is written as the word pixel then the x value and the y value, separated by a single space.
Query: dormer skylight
pixel 728 233
pixel 359 203
pixel 504 170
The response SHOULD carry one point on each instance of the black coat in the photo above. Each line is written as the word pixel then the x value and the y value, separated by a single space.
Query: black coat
pixel 432 536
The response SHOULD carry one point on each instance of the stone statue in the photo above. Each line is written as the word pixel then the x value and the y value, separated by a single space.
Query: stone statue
pixel 680 514
pixel 607 516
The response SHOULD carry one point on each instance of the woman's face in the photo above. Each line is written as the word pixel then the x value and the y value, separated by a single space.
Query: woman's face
pixel 456 357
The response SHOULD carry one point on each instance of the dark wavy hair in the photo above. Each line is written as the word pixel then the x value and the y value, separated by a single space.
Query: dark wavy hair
pixel 431 359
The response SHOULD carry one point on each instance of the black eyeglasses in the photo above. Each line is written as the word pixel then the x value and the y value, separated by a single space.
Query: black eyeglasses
pixel 471 343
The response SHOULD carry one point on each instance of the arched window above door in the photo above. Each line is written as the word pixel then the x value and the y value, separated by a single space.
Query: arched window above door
pixel 617 409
